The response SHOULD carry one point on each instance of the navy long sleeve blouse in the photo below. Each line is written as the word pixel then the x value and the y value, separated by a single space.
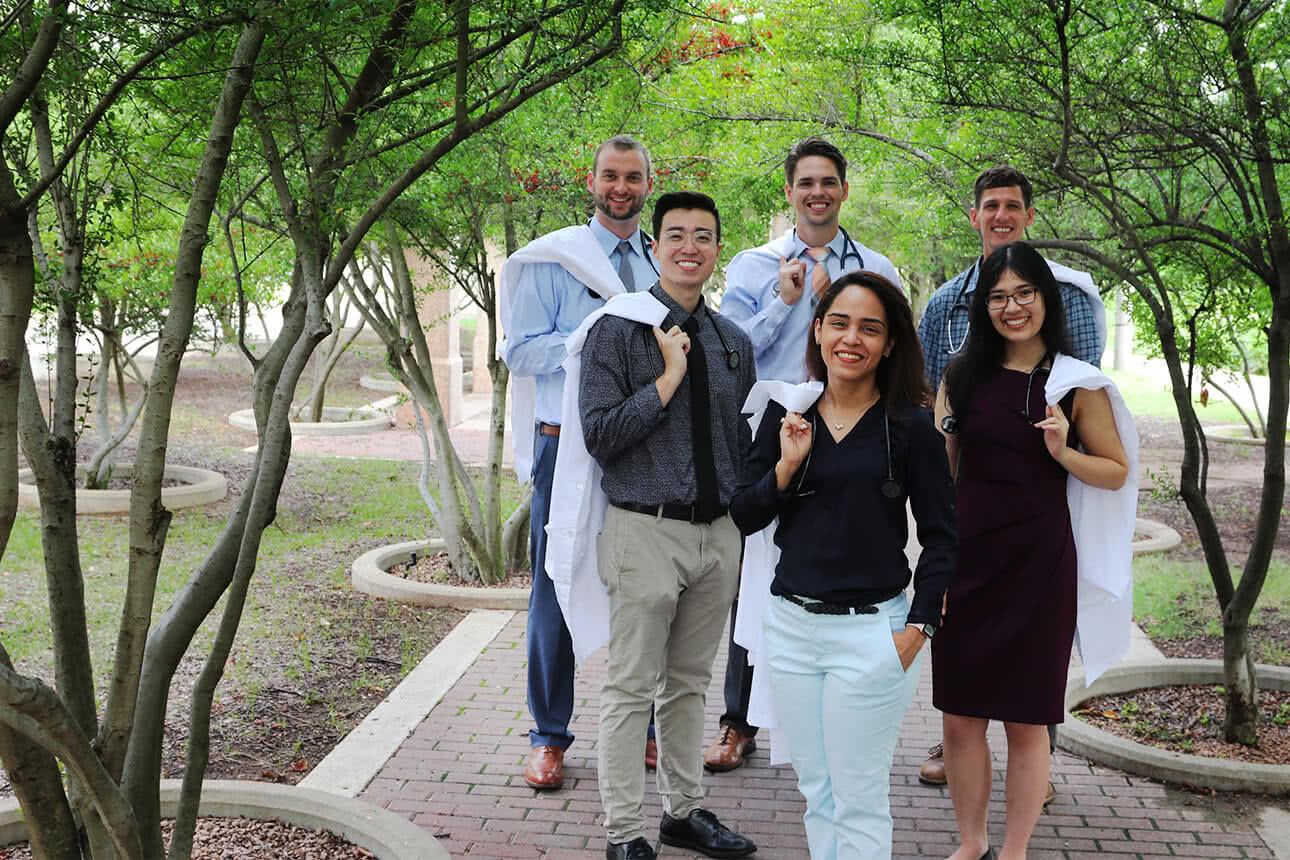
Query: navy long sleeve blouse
pixel 841 540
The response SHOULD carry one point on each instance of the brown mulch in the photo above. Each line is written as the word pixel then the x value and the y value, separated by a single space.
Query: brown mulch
pixel 436 569
pixel 252 839
pixel 1189 719
pixel 1269 640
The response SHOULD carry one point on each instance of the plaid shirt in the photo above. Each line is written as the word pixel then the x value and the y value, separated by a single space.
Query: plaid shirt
pixel 944 327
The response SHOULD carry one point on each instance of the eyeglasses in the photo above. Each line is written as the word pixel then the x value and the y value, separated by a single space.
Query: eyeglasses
pixel 701 238
pixel 1022 296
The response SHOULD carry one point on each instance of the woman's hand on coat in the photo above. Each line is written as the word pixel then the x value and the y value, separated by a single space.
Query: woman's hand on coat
pixel 1056 428
pixel 794 445
pixel 794 439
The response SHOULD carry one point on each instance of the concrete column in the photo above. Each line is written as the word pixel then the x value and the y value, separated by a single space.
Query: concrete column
pixel 780 224
pixel 1123 332
pixel 480 381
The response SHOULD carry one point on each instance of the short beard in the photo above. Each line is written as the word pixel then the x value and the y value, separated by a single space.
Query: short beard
pixel 602 205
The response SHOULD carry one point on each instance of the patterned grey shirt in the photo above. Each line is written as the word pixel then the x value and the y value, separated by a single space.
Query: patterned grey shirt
pixel 644 448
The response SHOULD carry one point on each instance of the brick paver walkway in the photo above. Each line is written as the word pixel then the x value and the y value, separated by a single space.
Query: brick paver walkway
pixel 459 775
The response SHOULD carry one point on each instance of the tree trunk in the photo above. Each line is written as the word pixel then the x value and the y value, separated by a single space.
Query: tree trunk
pixel 149 519
pixel 1240 725
pixel 38 786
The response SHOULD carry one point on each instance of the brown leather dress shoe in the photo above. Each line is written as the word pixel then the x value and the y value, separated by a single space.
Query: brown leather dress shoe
pixel 651 753
pixel 728 750
pixel 545 769
pixel 933 770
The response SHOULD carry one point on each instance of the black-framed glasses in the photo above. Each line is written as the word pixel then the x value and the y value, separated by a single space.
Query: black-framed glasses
pixel 1022 296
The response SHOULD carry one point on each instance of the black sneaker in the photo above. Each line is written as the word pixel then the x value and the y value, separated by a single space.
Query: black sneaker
pixel 702 832
pixel 638 849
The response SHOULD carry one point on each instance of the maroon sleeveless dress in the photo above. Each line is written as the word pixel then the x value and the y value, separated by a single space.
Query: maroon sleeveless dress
pixel 1005 643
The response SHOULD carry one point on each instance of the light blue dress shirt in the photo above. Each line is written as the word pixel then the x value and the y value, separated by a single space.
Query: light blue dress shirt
pixel 778 331
pixel 549 304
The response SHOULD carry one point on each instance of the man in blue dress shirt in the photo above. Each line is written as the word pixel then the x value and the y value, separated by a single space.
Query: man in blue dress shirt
pixel 771 292
pixel 545 302
pixel 1003 207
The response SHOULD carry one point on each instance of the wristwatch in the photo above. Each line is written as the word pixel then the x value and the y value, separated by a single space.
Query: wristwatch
pixel 928 630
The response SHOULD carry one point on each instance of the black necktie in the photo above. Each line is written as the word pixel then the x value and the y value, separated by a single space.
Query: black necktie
pixel 625 265
pixel 707 500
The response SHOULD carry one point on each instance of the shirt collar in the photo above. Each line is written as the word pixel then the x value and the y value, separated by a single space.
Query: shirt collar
pixel 676 315
pixel 837 245
pixel 609 242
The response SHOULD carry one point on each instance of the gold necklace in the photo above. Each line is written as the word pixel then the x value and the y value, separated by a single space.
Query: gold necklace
pixel 839 425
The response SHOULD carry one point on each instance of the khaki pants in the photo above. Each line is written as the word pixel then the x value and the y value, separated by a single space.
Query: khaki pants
pixel 670 586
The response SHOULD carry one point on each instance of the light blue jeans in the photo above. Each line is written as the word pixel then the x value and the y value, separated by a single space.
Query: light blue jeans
pixel 841 694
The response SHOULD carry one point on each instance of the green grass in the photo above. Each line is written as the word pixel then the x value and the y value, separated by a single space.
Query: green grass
pixel 337 504
pixel 1175 599
pixel 1150 396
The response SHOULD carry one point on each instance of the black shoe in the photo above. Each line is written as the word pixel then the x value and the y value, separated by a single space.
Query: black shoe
pixel 702 832
pixel 638 849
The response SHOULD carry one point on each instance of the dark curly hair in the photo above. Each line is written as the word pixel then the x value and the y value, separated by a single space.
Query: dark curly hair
pixel 900 375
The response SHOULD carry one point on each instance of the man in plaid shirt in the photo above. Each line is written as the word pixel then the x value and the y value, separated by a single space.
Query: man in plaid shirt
pixel 1002 210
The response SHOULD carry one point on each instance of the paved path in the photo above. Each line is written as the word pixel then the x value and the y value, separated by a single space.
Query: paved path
pixel 458 775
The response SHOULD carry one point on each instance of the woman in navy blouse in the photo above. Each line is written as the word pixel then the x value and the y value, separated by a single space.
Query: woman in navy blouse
pixel 843 642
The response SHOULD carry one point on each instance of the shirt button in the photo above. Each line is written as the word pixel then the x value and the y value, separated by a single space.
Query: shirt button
pixel 579 486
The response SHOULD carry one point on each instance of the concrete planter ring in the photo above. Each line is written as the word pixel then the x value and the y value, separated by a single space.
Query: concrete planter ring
pixel 387 835
pixel 341 421
pixel 380 382
pixel 197 487
pixel 1233 434
pixel 1086 740
pixel 1151 536
pixel 368 575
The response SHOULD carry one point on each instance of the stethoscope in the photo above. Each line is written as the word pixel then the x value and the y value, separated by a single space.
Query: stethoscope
pixel 950 424
pixel 960 303
pixel 849 249
pixel 890 488
pixel 732 357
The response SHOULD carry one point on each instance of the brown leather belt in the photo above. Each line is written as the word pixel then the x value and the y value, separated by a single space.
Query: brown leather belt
pixel 548 429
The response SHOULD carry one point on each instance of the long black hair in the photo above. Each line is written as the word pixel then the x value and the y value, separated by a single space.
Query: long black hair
pixel 983 353
pixel 899 376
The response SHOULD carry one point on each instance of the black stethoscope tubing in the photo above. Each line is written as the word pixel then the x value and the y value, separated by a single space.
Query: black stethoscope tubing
pixel 732 357
pixel 890 487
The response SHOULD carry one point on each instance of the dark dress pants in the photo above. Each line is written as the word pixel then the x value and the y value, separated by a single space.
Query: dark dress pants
pixel 738 684
pixel 550 648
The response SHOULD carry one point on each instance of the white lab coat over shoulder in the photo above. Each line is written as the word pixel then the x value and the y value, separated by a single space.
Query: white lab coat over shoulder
pixel 578 251
pixel 1103 523
pixel 761 555
pixel 578 503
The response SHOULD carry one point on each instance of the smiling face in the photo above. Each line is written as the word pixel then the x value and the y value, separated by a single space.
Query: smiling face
pixel 687 249
pixel 620 184
pixel 1001 217
pixel 817 191
pixel 1016 323
pixel 853 335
